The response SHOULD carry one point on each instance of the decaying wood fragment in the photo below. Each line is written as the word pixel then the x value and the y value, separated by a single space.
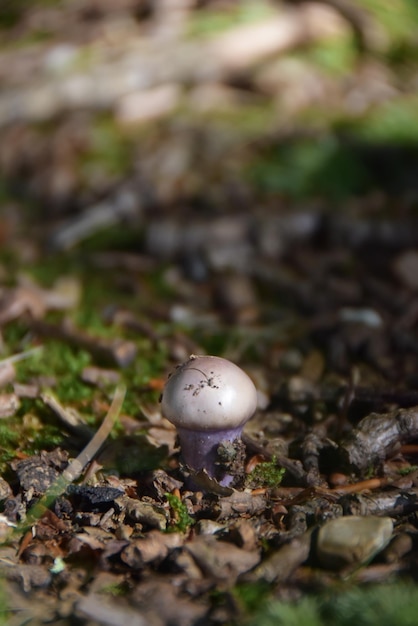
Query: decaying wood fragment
pixel 239 503
pixel 153 548
pixel 281 564
pixel 311 450
pixel 400 545
pixel 37 473
pixel 392 502
pixel 376 436
pixel 95 606
pixel 29 298
pixel 220 560
pixel 143 512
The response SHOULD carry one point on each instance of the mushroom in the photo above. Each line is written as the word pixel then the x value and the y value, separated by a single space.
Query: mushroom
pixel 208 399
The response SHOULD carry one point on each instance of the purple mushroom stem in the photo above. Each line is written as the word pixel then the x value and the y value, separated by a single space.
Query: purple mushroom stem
pixel 199 450
pixel 209 400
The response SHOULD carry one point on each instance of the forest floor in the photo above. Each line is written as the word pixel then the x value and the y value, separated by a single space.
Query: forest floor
pixel 186 178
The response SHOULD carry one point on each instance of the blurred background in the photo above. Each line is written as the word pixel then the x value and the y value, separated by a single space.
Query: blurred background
pixel 212 107
pixel 247 162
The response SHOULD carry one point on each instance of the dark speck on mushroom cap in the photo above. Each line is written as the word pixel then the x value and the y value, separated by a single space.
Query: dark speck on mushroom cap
pixel 209 393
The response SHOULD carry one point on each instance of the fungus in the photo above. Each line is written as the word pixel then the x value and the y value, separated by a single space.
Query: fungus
pixel 208 399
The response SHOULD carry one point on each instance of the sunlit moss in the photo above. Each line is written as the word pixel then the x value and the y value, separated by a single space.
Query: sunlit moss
pixel 267 474
pixel 384 605
pixel 61 362
pixel 182 520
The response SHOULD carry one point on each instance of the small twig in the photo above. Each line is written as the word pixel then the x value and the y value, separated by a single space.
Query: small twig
pixel 15 358
pixel 391 502
pixel 75 468
pixel 311 449
pixel 123 206
pixel 364 485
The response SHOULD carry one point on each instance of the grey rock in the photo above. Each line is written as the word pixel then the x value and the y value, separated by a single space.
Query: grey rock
pixel 352 540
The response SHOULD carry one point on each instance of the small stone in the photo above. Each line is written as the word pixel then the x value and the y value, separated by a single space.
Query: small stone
pixel 209 527
pixel 352 540
pixel 5 490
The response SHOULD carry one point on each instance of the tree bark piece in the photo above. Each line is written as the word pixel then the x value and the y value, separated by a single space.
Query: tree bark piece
pixel 376 437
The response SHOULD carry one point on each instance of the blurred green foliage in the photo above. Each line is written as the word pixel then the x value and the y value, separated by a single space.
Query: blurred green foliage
pixel 386 605
pixel 309 167
pixel 398 17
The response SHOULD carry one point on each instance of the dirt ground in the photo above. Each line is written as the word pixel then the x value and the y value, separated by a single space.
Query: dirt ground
pixel 234 179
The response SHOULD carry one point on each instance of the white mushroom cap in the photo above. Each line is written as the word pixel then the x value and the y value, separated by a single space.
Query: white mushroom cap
pixel 208 393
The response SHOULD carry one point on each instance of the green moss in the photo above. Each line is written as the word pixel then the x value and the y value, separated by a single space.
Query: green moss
pixel 385 605
pixel 266 474
pixel 404 471
pixel 285 614
pixel 183 521
pixel 9 439
pixel 251 596
pixel 64 364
